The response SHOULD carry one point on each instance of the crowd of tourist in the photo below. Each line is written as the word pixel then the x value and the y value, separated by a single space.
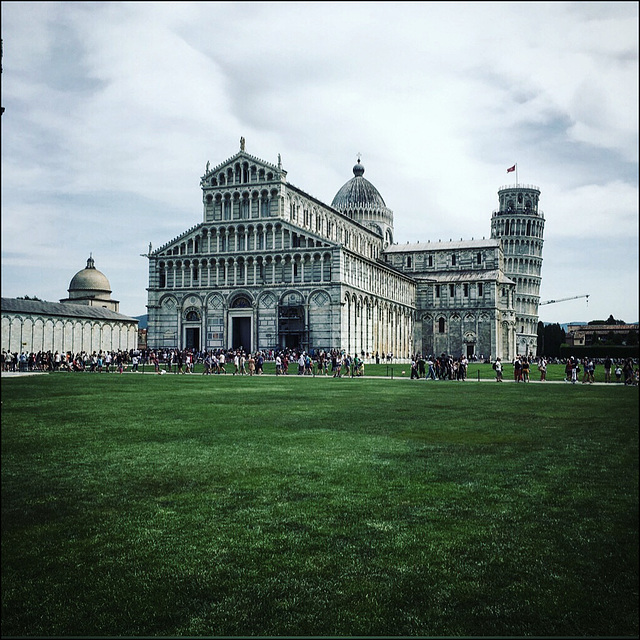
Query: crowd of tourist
pixel 100 361
pixel 443 367
pixel 622 370
pixel 333 362
pixel 238 362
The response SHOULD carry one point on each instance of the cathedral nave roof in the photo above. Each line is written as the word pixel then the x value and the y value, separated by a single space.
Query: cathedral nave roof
pixel 446 277
pixel 413 247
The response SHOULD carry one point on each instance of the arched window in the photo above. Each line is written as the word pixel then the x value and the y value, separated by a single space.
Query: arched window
pixel 241 302
pixel 441 325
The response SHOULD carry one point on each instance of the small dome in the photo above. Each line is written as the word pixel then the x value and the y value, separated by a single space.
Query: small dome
pixel 358 192
pixel 89 279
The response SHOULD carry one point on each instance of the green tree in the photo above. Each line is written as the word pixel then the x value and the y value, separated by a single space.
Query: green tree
pixel 550 337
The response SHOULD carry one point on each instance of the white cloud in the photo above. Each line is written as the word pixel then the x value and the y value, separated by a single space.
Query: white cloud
pixel 113 110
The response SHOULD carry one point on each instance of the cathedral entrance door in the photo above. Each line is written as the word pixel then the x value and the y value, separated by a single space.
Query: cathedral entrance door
pixel 241 333
pixel 192 338
pixel 470 350
pixel 292 341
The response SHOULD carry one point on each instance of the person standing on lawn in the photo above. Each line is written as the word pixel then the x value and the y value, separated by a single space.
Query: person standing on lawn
pixel 575 370
pixel 567 370
pixel 542 367
pixel 236 363
pixel 608 363
pixel 497 365
pixel 414 369
pixel 618 373
pixel 517 369
pixel 259 363
pixel 432 373
pixel 585 375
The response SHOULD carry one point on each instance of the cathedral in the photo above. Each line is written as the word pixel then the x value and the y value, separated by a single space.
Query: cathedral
pixel 271 267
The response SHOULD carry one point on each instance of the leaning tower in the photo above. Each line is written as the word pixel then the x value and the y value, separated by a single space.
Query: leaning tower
pixel 520 225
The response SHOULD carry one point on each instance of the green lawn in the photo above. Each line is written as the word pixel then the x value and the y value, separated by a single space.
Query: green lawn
pixel 219 505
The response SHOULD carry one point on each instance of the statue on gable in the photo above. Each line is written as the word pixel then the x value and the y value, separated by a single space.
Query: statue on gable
pixel 242 144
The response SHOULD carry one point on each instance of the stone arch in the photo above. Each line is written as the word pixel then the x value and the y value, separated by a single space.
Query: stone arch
pixel 292 296
pixel 192 300
pixel 241 299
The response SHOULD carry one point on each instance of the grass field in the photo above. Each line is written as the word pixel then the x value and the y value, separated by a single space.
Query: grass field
pixel 223 506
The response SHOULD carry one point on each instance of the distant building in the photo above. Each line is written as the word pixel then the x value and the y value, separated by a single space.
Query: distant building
pixel 270 266
pixel 88 320
pixel 584 335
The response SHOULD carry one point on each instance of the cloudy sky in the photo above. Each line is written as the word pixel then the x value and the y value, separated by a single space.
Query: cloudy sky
pixel 113 110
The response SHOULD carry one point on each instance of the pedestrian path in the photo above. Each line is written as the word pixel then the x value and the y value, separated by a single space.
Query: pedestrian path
pixel 18 374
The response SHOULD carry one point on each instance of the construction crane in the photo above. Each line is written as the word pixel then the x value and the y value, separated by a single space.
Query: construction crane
pixel 586 295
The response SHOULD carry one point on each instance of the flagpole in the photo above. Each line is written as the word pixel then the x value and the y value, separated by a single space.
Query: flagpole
pixel 516 174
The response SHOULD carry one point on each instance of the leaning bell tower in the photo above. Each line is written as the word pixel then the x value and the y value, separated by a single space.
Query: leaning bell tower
pixel 519 224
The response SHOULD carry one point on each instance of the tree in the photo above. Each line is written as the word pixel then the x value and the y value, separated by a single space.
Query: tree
pixel 550 337
pixel 29 298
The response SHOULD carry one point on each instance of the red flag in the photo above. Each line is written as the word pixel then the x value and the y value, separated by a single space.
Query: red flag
pixel 511 168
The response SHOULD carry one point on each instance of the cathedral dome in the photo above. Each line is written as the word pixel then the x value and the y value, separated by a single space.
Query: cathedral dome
pixel 89 279
pixel 358 192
